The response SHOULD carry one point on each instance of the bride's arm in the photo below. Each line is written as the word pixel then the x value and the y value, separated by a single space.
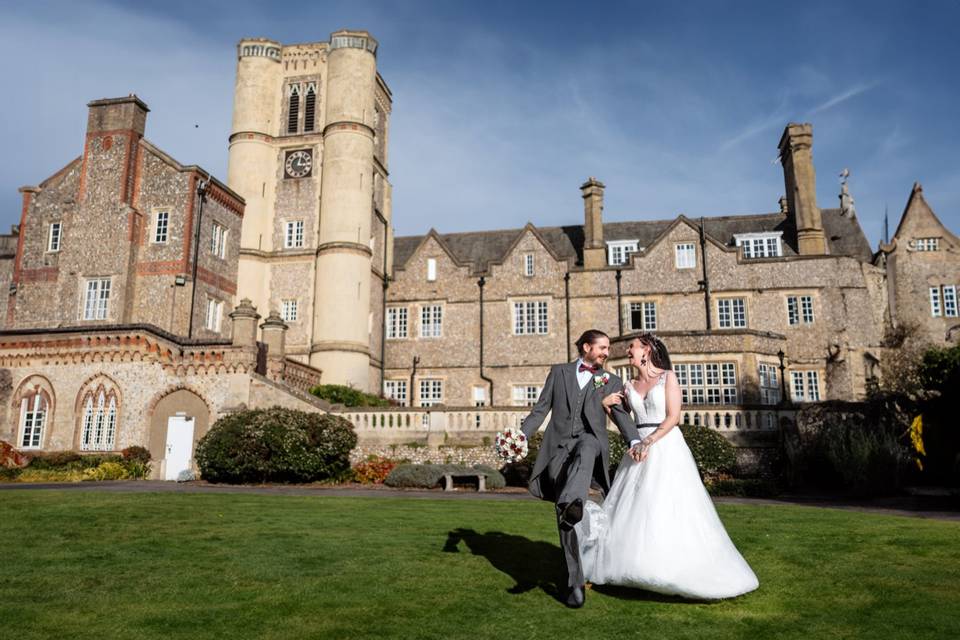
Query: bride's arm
pixel 672 419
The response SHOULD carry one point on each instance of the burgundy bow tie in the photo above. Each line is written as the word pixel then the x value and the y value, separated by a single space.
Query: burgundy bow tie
pixel 584 367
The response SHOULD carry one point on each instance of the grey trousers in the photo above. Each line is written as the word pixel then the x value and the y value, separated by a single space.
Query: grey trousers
pixel 571 475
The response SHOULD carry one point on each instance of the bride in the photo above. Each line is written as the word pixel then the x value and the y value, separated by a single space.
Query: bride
pixel 657 529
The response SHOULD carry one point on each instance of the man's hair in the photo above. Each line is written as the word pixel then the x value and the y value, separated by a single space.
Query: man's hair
pixel 589 337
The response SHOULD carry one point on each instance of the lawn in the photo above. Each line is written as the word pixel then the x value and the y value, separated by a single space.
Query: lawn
pixel 98 565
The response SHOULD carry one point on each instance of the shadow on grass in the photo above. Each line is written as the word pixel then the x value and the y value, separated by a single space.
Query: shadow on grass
pixel 630 593
pixel 531 564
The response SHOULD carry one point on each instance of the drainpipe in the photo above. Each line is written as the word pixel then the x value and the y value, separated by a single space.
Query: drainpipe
pixel 480 283
pixel 413 374
pixel 383 316
pixel 705 283
pixel 202 192
pixel 566 298
pixel 619 304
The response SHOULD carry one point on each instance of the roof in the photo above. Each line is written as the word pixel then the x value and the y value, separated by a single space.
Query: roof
pixel 481 248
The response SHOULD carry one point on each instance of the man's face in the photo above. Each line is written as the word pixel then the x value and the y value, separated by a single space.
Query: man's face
pixel 598 352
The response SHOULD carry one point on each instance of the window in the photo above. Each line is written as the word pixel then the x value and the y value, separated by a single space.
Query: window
pixel 799 307
pixel 396 322
pixel 161 227
pixel 431 392
pixel 293 234
pixel 950 301
pixel 707 382
pixel 479 397
pixel 431 321
pixel 218 240
pixel 97 301
pixel 530 318
pixel 525 395
pixel 33 417
pixel 625 373
pixel 289 310
pixel 214 312
pixel 926 244
pixel 54 236
pixel 431 269
pixel 528 265
pixel 759 245
pixel 686 255
pixel 293 112
pixel 643 316
pixel 618 252
pixel 99 422
pixel 935 309
pixel 732 313
pixel 310 109
pixel 769 384
pixel 396 390
pixel 809 392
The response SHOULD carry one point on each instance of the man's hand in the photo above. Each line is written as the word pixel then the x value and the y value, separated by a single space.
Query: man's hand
pixel 638 452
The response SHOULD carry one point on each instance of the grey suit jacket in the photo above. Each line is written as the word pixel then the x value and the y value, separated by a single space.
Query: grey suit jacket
pixel 559 397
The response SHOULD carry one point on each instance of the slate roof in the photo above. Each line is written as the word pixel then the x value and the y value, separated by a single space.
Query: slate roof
pixel 480 248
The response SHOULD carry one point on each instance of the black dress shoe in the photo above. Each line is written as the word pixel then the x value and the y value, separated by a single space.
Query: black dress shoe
pixel 572 512
pixel 575 598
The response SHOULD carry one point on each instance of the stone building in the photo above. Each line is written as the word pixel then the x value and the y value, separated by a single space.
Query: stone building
pixel 308 153
pixel 752 306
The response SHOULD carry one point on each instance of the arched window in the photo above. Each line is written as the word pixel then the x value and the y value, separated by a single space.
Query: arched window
pixel 33 403
pixel 310 109
pixel 293 113
pixel 99 408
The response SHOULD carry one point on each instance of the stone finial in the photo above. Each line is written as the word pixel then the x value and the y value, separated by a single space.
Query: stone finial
pixel 784 205
pixel 594 251
pixel 846 201
pixel 244 318
pixel 273 332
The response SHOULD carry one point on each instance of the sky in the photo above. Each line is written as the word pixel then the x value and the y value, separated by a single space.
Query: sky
pixel 503 108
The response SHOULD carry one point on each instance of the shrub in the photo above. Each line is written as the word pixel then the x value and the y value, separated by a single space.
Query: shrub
pixel 712 452
pixel 428 476
pixel 70 460
pixel 348 396
pixel 136 454
pixel 137 469
pixel 50 475
pixel 107 471
pixel 9 474
pixel 373 470
pixel 276 445
pixel 742 487
pixel 10 458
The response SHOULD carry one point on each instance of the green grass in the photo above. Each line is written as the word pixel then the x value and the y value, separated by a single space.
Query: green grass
pixel 167 566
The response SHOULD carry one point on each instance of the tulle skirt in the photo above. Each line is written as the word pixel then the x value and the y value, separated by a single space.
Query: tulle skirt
pixel 658 530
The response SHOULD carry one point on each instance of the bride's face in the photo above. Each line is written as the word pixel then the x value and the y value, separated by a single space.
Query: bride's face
pixel 639 354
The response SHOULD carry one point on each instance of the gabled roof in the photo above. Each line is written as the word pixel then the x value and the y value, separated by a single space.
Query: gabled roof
pixel 916 202
pixel 481 248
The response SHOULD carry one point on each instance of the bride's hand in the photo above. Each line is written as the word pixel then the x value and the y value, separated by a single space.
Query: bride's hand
pixel 612 400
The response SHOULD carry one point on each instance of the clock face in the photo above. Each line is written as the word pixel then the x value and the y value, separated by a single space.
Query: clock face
pixel 299 164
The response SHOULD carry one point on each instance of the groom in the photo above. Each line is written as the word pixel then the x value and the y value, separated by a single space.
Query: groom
pixel 575 448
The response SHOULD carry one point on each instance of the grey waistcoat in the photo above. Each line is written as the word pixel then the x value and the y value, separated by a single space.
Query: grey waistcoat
pixel 578 409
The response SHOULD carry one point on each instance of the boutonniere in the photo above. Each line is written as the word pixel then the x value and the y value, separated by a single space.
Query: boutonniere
pixel 599 381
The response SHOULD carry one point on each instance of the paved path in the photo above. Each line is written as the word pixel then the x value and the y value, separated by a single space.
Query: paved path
pixel 901 506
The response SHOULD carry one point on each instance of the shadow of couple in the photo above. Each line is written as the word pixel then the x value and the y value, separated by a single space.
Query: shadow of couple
pixel 532 564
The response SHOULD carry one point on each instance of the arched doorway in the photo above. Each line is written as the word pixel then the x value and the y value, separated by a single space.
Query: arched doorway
pixel 179 419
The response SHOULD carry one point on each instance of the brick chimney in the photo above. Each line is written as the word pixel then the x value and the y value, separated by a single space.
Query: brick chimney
pixel 800 180
pixel 594 250
pixel 117 114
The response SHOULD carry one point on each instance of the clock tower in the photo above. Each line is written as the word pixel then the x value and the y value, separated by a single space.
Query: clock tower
pixel 308 152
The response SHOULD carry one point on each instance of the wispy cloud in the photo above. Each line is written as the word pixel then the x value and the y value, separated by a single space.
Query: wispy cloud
pixel 836 100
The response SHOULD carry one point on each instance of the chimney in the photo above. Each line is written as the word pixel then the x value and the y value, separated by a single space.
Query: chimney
pixel 273 334
pixel 245 318
pixel 117 114
pixel 594 251
pixel 800 180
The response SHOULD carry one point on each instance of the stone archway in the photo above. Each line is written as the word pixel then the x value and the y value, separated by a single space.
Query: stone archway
pixel 179 402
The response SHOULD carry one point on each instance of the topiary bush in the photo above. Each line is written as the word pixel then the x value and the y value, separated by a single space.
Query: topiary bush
pixel 136 454
pixel 428 476
pixel 276 445
pixel 348 396
pixel 373 470
pixel 712 452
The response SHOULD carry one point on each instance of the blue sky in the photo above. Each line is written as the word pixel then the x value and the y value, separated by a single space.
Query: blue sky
pixel 501 109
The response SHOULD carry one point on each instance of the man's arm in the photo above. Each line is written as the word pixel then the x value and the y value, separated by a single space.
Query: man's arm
pixel 623 420
pixel 540 410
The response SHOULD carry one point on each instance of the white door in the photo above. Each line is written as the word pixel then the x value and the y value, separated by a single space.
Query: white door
pixel 179 446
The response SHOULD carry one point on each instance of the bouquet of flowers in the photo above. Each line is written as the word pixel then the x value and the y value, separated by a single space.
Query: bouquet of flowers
pixel 511 445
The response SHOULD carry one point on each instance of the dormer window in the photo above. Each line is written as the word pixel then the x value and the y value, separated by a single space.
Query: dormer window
pixel 618 251
pixel 760 245
pixel 926 244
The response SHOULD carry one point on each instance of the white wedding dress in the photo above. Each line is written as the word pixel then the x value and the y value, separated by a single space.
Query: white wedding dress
pixel 657 528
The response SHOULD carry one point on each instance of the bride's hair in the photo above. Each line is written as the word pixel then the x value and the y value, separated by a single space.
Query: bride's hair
pixel 659 356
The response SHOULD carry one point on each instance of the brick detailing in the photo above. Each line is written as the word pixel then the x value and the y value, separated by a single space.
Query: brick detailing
pixel 216 280
pixel 228 201
pixel 43 274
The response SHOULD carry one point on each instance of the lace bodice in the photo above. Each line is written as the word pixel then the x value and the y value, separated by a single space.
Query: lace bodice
pixel 652 408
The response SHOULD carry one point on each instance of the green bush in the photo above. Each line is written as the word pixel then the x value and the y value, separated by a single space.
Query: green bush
pixel 107 471
pixel 137 469
pixel 276 445
pixel 742 487
pixel 63 474
pixel 712 452
pixel 348 396
pixel 9 474
pixel 70 460
pixel 428 476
